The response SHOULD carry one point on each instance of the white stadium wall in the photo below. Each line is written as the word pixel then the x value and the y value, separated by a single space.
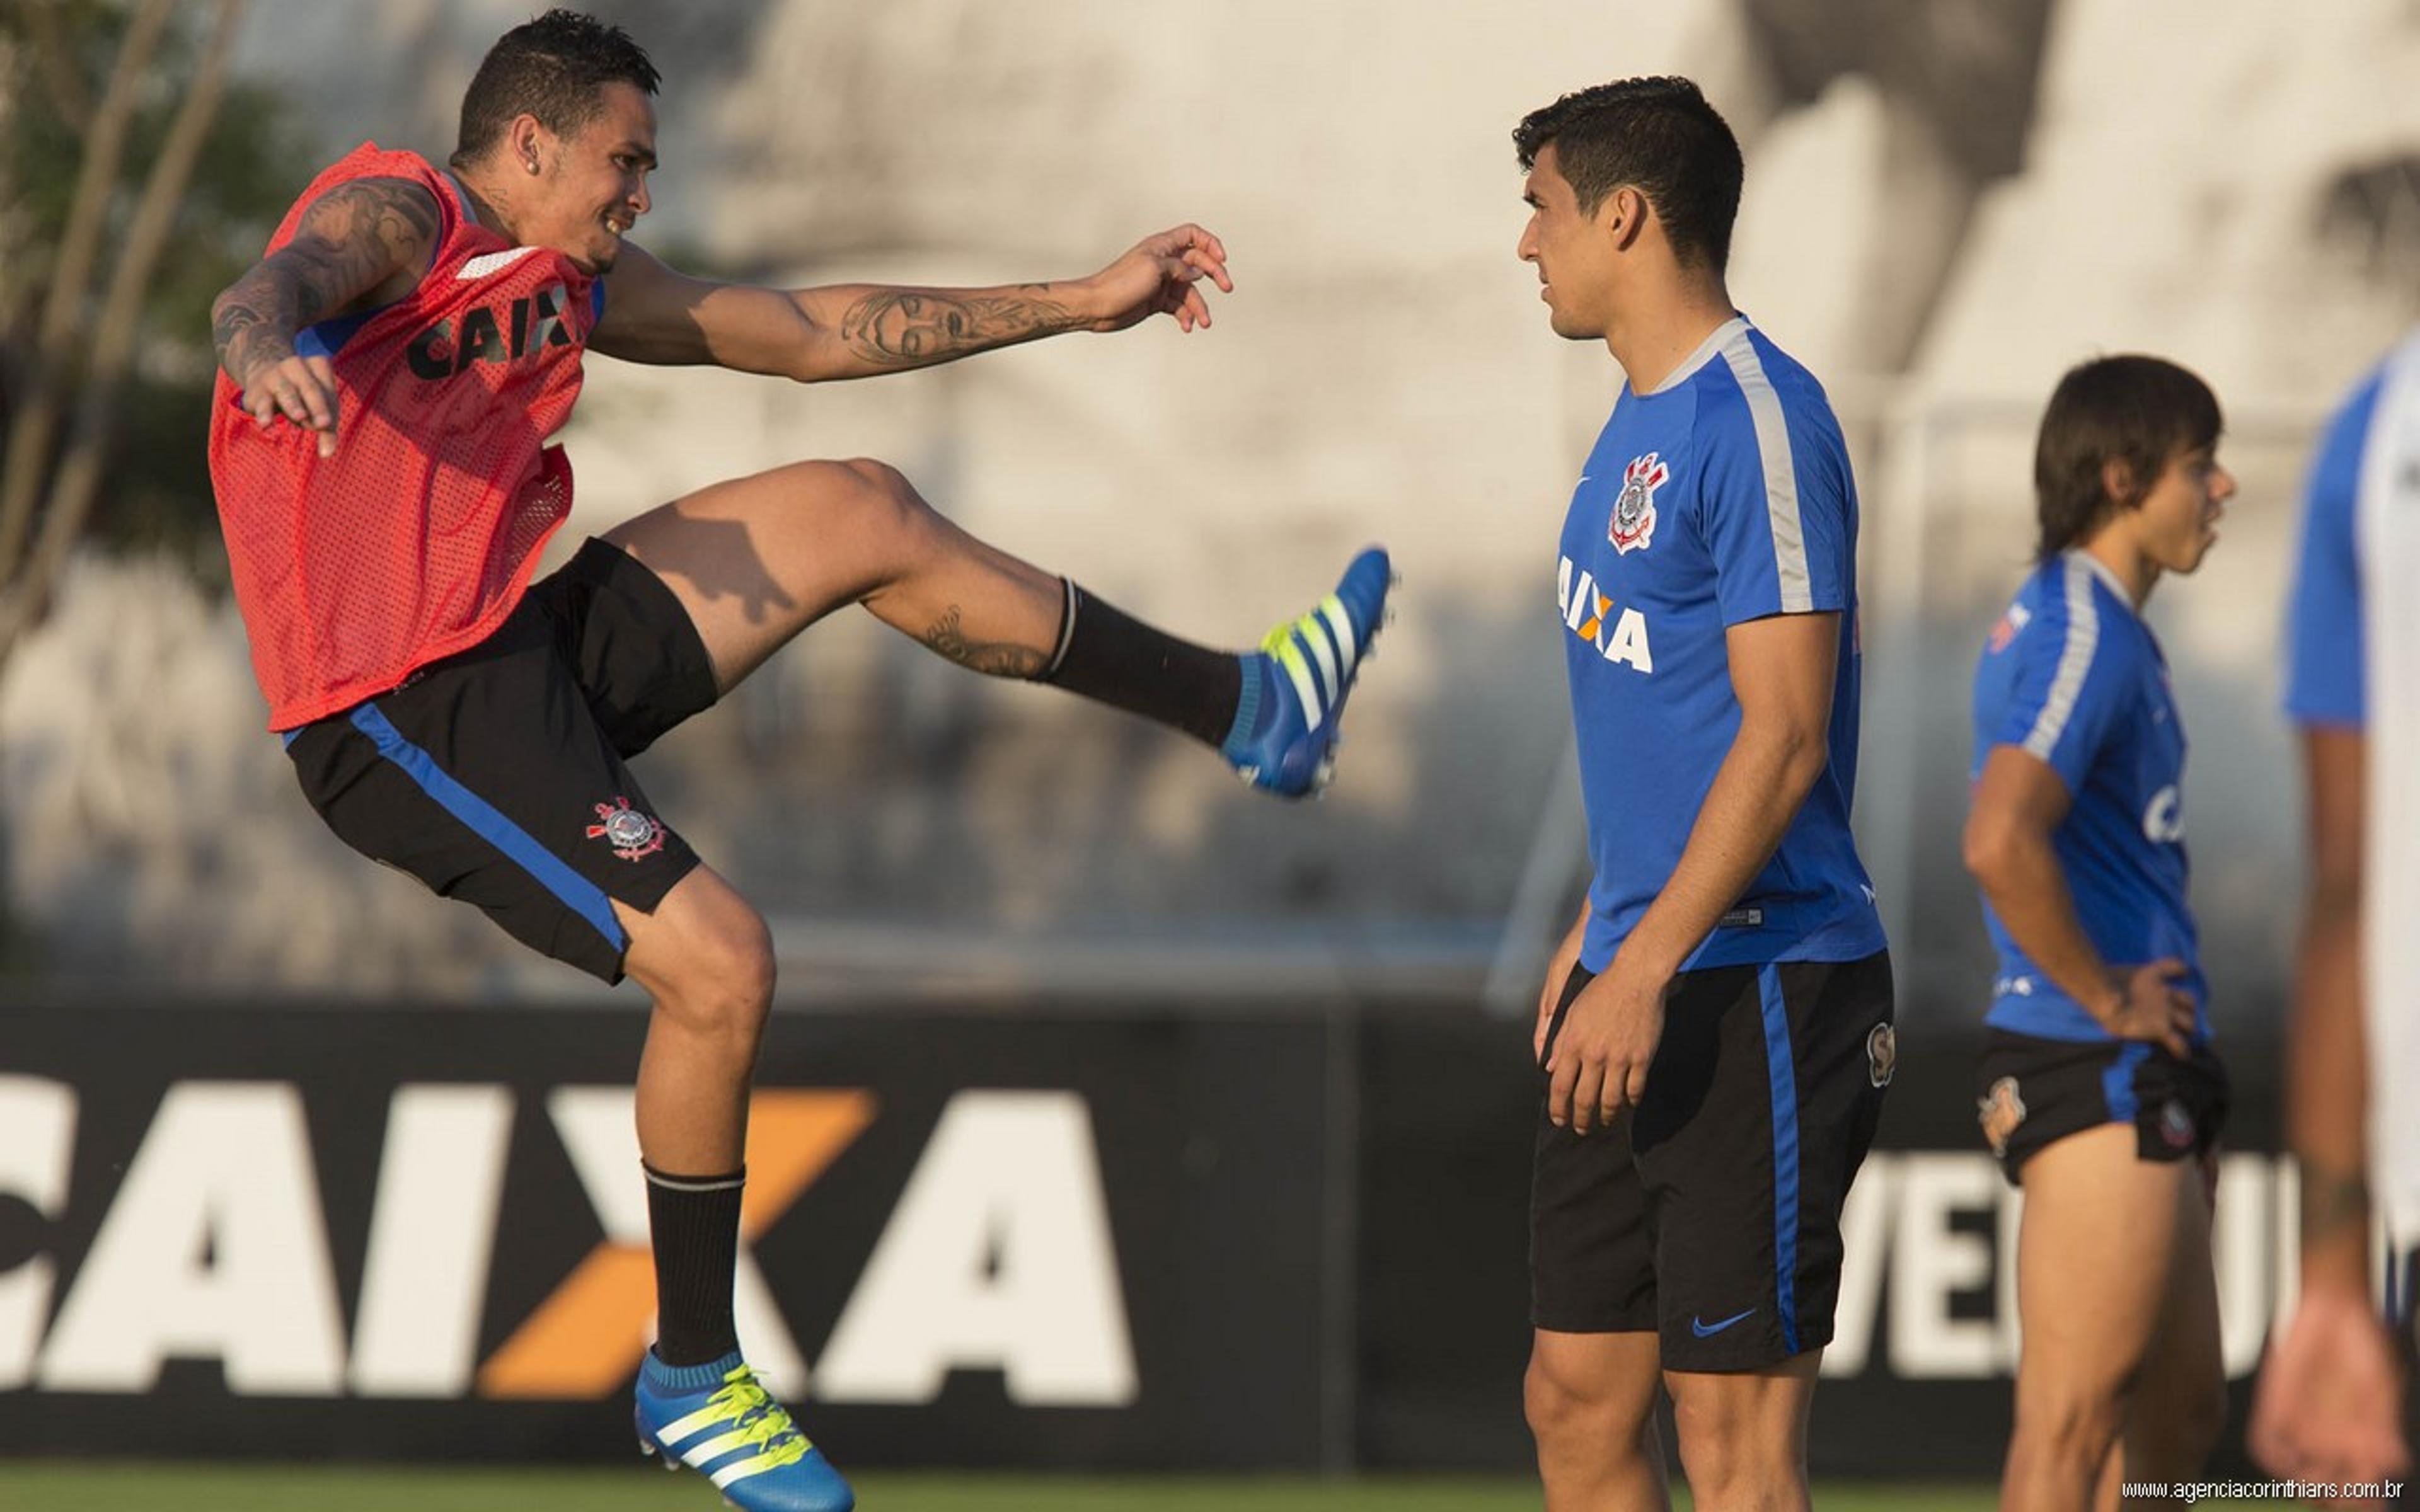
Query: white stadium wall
pixel 2176 182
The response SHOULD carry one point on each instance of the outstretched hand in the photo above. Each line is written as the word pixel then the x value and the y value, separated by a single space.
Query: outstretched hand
pixel 1160 275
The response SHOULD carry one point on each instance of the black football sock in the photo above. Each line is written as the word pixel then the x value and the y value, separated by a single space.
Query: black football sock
pixel 1124 663
pixel 694 1222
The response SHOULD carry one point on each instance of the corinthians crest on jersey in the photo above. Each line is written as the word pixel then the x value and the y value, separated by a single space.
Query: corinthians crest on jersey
pixel 1633 525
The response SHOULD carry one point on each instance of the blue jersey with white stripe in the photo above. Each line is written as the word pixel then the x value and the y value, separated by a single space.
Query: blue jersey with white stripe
pixel 2072 676
pixel 2353 626
pixel 2323 630
pixel 1723 496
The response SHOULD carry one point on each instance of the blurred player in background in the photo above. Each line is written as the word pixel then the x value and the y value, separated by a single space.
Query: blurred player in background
pixel 2099 1091
pixel 393 371
pixel 1715 1029
pixel 2326 1407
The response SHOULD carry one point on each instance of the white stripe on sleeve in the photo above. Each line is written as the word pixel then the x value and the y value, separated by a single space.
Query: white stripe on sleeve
pixel 2075 660
pixel 1780 473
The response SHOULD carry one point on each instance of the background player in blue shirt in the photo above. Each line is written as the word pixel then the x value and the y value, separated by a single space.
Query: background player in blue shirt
pixel 1715 1029
pixel 2326 1407
pixel 2098 1088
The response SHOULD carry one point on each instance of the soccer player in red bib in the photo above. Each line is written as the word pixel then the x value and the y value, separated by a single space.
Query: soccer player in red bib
pixel 394 370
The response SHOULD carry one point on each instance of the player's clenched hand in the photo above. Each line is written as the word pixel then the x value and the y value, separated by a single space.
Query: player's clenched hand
pixel 1160 275
pixel 2328 1404
pixel 1608 1041
pixel 2152 1007
pixel 300 388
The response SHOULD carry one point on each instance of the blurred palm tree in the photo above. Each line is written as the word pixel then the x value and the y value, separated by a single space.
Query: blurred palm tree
pixel 135 181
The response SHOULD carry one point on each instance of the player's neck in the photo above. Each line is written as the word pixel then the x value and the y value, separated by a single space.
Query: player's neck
pixel 1653 336
pixel 488 207
pixel 2133 566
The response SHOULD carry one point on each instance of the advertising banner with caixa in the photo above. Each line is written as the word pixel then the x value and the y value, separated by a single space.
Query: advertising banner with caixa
pixel 1120 1238
pixel 1085 1242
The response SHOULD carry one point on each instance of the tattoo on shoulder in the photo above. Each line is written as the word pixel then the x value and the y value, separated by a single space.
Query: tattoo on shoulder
pixel 909 328
pixel 993 658
pixel 348 241
pixel 357 234
pixel 397 213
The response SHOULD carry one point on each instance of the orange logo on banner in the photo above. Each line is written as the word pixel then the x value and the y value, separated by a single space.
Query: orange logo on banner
pixel 585 1339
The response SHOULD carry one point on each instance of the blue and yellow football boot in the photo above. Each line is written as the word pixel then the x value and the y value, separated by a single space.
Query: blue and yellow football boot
pixel 1295 686
pixel 718 1421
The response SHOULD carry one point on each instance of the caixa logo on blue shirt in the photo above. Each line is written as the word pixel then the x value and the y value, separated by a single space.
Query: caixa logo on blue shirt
pixel 2164 817
pixel 1590 613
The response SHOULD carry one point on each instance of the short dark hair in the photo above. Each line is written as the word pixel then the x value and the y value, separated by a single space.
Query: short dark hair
pixel 1657 135
pixel 552 68
pixel 2138 410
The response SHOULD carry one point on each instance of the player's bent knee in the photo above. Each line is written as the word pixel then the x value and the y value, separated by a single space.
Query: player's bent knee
pixel 879 476
pixel 710 963
pixel 883 510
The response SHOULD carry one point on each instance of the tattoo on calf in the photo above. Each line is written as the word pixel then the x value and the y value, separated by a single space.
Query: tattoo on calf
pixel 993 658
pixel 905 328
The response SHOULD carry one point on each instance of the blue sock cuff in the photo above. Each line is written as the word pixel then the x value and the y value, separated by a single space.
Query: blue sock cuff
pixel 688 1378
pixel 1247 703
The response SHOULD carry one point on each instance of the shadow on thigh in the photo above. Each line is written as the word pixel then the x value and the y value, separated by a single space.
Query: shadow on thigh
pixel 756 560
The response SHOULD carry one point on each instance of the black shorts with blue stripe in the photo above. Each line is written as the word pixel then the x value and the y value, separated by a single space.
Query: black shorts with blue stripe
pixel 1711 1213
pixel 497 775
pixel 2031 1091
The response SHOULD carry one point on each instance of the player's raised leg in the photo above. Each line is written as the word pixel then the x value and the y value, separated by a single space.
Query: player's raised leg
pixel 1742 1434
pixel 756 560
pixel 2096 1253
pixel 705 957
pixel 1591 1400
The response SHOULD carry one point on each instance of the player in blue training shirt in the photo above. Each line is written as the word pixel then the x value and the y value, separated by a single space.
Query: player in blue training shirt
pixel 2326 1407
pixel 2098 1088
pixel 1715 1030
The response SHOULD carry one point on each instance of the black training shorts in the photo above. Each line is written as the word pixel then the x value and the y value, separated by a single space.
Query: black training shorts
pixel 1710 1212
pixel 2029 1090
pixel 496 775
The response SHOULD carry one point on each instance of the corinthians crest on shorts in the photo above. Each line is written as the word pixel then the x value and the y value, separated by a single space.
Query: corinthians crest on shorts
pixel 632 833
pixel 1999 1111
pixel 1633 525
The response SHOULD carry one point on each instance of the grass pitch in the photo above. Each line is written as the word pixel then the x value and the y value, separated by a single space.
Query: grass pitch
pixel 84 1486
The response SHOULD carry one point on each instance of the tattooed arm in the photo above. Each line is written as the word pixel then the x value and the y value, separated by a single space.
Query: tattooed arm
pixel 655 315
pixel 363 243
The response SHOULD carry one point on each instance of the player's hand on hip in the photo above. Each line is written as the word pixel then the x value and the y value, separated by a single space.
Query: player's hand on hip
pixel 2153 1007
pixel 298 388
pixel 1601 1057
pixel 2328 1404
pixel 1160 275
